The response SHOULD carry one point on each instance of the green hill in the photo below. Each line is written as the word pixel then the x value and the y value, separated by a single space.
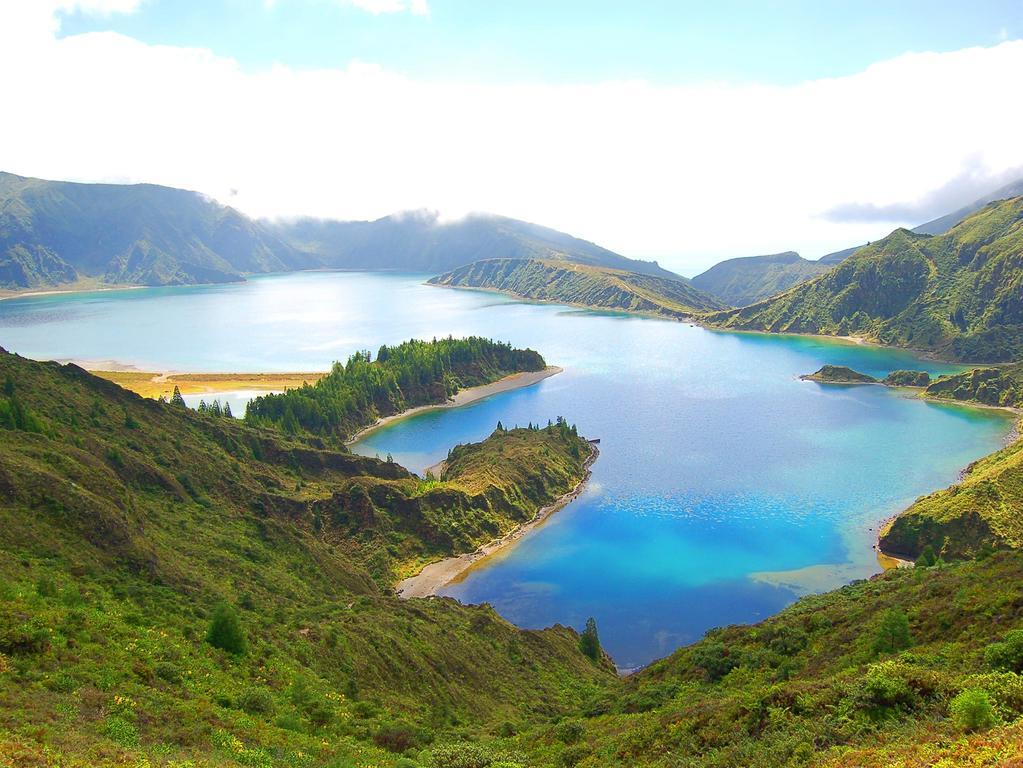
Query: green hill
pixel 983 510
pixel 124 522
pixel 743 281
pixel 838 374
pixel 957 294
pixel 54 232
pixel 582 285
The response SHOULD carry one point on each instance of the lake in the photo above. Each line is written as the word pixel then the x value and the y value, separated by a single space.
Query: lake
pixel 726 487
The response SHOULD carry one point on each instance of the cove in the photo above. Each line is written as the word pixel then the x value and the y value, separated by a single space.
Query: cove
pixel 725 487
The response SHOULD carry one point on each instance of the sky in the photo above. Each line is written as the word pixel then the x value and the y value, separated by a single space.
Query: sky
pixel 680 131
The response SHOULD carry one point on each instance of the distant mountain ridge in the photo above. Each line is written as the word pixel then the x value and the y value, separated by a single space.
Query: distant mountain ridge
pixel 580 284
pixel 959 294
pixel 749 279
pixel 419 241
pixel 56 232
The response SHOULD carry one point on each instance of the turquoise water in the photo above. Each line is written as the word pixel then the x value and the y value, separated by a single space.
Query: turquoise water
pixel 725 487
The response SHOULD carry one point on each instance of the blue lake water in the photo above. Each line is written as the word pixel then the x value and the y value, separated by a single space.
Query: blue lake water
pixel 725 487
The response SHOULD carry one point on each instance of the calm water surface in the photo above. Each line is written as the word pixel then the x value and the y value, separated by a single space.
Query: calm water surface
pixel 725 487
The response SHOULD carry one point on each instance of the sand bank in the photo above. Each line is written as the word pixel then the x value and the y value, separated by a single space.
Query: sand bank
pixel 436 575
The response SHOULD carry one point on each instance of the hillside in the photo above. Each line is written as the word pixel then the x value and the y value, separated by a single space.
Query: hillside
pixel 54 232
pixel 419 241
pixel 743 281
pixel 408 375
pixel 959 295
pixel 584 286
pixel 982 511
pixel 124 522
pixel 918 667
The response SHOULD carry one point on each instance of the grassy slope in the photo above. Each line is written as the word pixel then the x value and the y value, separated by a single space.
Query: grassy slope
pixel 806 687
pixel 744 281
pixel 126 520
pixel 583 285
pixel 983 510
pixel 958 294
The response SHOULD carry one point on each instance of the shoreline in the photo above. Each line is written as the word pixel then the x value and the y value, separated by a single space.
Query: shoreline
pixel 464 397
pixel 433 576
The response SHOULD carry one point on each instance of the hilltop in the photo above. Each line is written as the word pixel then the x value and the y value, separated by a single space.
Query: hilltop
pixel 582 285
pixel 747 280
pixel 956 295
pixel 419 241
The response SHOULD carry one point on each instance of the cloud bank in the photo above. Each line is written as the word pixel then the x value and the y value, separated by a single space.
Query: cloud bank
pixel 686 174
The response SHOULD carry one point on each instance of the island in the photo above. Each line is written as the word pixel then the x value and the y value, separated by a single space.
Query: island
pixel 838 374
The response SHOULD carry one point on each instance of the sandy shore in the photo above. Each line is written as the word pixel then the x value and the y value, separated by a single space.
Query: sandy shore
pixel 150 384
pixel 466 396
pixel 428 581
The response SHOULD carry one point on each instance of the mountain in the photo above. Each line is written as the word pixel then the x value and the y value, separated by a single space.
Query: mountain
pixel 54 232
pixel 586 286
pixel 959 295
pixel 944 223
pixel 420 242
pixel 747 280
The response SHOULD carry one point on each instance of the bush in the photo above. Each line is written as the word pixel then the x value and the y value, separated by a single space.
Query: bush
pixel 1007 655
pixel 893 632
pixel 256 701
pixel 168 672
pixel 472 756
pixel 884 688
pixel 226 630
pixel 45 587
pixel 400 736
pixel 715 659
pixel 972 710
pixel 927 558
pixel 119 730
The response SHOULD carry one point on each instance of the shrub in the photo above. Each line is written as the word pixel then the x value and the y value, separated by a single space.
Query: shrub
pixel 715 659
pixel 45 587
pixel 168 672
pixel 892 632
pixel 256 701
pixel 927 557
pixel 884 688
pixel 400 736
pixel 1008 654
pixel 569 732
pixel 972 710
pixel 472 756
pixel 226 630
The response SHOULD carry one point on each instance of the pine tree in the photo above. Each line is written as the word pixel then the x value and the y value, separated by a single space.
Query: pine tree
pixel 893 632
pixel 589 641
pixel 9 386
pixel 177 399
pixel 215 409
pixel 500 427
pixel 203 408
pixel 227 410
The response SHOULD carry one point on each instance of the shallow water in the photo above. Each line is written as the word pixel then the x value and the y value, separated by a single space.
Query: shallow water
pixel 723 480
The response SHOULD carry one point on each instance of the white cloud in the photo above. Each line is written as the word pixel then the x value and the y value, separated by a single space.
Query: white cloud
pixel 417 7
pixel 686 174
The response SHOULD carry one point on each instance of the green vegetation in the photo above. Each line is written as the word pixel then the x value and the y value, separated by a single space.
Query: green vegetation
pixel 585 286
pixel 589 641
pixel 838 374
pixel 812 687
pixel 907 379
pixel 955 294
pixel 415 373
pixel 118 545
pixel 989 386
pixel 744 281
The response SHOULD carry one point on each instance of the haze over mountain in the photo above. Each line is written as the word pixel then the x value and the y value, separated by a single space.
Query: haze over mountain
pixel 747 280
pixel 55 232
pixel 959 294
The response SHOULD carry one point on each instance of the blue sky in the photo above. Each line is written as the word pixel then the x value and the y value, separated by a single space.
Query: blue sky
pixel 783 42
